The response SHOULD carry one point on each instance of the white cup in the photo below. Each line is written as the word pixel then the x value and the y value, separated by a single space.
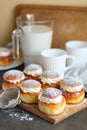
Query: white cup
pixel 78 49
pixel 55 60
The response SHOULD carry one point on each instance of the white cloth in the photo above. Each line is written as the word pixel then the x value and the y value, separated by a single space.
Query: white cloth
pixel 79 72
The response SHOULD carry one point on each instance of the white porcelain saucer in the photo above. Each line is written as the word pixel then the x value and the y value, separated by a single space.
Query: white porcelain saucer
pixel 15 63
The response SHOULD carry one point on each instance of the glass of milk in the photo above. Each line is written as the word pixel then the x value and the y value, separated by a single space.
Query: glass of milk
pixel 33 35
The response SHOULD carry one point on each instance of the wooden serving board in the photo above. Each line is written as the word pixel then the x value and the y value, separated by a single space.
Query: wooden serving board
pixel 69 110
pixel 70 23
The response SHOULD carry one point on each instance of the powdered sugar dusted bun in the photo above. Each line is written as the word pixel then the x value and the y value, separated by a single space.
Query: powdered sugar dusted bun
pixel 33 69
pixel 72 89
pixel 51 101
pixel 51 95
pixel 12 78
pixel 31 86
pixel 71 84
pixel 30 90
pixel 49 77
pixel 6 57
pixel 4 52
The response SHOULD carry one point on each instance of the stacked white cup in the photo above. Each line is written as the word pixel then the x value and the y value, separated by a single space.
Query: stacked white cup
pixel 78 49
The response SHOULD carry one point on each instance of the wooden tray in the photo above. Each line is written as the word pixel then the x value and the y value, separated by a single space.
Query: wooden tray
pixel 70 22
pixel 69 110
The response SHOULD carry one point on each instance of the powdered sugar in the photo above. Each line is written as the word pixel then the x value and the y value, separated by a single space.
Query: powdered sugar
pixel 4 51
pixel 50 74
pixel 32 67
pixel 52 92
pixel 51 95
pixel 10 102
pixel 18 114
pixel 72 81
pixel 49 77
pixel 31 83
pixel 13 75
pixel 31 86
pixel 71 84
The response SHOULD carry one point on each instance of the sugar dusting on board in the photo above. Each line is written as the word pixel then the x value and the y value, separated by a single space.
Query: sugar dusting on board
pixel 18 113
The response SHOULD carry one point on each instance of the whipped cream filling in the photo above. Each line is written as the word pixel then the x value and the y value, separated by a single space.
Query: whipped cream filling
pixel 70 88
pixel 4 51
pixel 48 100
pixel 33 72
pixel 31 90
pixel 49 80
pixel 15 81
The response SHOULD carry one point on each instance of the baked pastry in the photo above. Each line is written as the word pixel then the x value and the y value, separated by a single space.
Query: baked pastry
pixel 6 57
pixel 12 78
pixel 33 71
pixel 51 101
pixel 50 79
pixel 30 90
pixel 72 89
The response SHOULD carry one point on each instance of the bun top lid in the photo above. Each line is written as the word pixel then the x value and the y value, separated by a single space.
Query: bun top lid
pixel 33 69
pixel 50 74
pixel 31 83
pixel 72 81
pixel 31 86
pixel 71 84
pixel 13 76
pixel 51 95
pixel 49 77
pixel 4 51
pixel 51 92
